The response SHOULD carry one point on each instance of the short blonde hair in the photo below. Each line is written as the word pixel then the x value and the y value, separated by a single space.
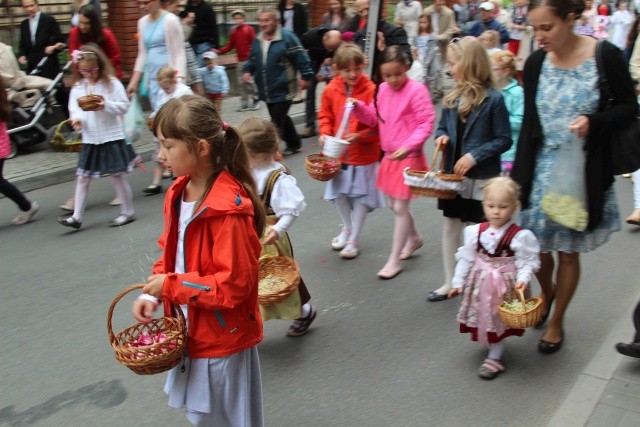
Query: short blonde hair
pixel 505 185
pixel 505 59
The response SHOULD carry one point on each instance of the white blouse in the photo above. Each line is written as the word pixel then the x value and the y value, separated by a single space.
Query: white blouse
pixel 105 125
pixel 287 200
pixel 180 90
pixel 524 245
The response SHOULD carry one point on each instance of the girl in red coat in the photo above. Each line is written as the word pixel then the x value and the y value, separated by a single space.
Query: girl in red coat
pixel 213 200
pixel 353 190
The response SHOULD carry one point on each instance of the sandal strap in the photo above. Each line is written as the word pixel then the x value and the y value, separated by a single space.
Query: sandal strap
pixel 492 365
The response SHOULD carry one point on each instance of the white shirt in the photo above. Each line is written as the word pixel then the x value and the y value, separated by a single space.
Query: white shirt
pixel 102 126
pixel 435 22
pixel 33 26
pixel 180 90
pixel 288 19
pixel 524 245
pixel 186 212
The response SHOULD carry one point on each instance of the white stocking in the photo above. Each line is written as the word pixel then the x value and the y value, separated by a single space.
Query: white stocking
pixel 123 190
pixel 359 214
pixel 451 229
pixel 344 210
pixel 82 191
pixel 496 350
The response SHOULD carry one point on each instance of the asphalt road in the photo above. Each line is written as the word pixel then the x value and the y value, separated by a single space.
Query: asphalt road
pixel 377 355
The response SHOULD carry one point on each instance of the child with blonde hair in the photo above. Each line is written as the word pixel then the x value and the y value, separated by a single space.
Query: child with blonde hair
pixel 104 150
pixel 209 265
pixel 171 86
pixel 473 132
pixel 497 257
pixel 284 202
pixel 353 191
pixel 404 113
pixel 503 65
pixel 490 39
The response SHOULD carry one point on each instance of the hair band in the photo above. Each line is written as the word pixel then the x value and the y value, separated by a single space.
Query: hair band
pixel 77 55
pixel 225 126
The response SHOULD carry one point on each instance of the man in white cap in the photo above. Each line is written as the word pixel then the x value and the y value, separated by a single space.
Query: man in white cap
pixel 488 22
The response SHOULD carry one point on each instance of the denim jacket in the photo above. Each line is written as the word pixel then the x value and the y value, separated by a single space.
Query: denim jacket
pixel 487 134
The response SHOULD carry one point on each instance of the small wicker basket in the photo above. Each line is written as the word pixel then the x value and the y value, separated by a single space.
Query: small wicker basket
pixel 287 273
pixel 321 167
pixel 434 183
pixel 149 359
pixel 525 318
pixel 90 102
pixel 65 138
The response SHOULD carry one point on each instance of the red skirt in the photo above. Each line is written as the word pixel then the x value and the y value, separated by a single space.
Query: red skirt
pixel 492 337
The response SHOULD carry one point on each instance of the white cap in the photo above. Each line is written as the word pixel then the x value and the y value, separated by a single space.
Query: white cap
pixel 487 5
pixel 209 55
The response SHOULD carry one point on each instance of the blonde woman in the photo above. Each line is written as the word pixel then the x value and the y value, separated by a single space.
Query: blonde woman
pixel 473 132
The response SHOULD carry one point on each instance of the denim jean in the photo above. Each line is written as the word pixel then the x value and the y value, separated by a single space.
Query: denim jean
pixel 200 49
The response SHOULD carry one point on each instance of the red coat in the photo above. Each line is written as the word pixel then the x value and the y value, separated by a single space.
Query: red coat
pixel 240 39
pixel 366 149
pixel 221 251
pixel 109 45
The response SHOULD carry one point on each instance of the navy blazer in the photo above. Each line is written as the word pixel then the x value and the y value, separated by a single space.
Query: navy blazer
pixel 487 134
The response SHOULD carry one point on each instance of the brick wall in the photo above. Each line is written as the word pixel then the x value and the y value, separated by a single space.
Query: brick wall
pixel 123 21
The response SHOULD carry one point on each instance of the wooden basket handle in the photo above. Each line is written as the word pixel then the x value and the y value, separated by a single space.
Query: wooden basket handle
pixel 118 297
pixel 435 159
pixel 521 295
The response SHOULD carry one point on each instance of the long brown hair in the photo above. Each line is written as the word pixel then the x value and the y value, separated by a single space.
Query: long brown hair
pixel 191 119
pixel 5 106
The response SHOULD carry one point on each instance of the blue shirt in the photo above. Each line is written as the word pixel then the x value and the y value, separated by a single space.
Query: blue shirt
pixel 215 80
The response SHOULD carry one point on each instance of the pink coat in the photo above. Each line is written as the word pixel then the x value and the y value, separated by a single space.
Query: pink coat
pixel 407 116
pixel 5 143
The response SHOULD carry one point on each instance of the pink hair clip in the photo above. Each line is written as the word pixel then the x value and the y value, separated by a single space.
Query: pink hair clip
pixel 76 55
pixel 225 126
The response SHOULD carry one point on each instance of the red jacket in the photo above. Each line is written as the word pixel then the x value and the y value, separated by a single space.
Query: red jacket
pixel 109 45
pixel 240 39
pixel 366 149
pixel 221 250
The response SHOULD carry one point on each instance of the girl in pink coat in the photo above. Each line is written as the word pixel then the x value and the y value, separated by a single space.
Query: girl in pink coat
pixel 404 113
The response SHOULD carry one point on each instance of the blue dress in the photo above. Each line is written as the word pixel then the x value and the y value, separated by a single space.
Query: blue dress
pixel 157 57
pixel 562 96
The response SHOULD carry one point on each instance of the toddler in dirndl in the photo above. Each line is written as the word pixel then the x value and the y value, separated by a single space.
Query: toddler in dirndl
pixel 284 202
pixel 497 258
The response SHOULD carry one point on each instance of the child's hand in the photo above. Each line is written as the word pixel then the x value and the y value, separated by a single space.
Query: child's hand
pixel 154 285
pixel 352 137
pixel 246 77
pixel 520 286
pixel 100 106
pixel 321 140
pixel 462 166
pixel 143 310
pixel 454 292
pixel 269 237
pixel 399 154
pixel 441 142
pixel 76 125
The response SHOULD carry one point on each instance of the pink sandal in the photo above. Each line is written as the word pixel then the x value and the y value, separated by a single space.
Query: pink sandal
pixel 490 369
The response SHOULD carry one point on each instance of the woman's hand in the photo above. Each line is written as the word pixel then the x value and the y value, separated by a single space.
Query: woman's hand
pixel 399 154
pixel 76 125
pixel 143 310
pixel 441 142
pixel 154 285
pixel 132 89
pixel 454 292
pixel 462 166
pixel 580 126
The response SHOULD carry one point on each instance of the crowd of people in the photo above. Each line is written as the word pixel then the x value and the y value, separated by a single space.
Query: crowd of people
pixel 501 131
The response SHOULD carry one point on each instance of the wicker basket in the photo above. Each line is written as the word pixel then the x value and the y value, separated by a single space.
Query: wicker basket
pixel 154 358
pixel 525 318
pixel 90 102
pixel 283 268
pixel 65 138
pixel 321 167
pixel 434 183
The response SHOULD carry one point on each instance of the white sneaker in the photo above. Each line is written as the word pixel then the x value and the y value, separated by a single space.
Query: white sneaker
pixel 25 217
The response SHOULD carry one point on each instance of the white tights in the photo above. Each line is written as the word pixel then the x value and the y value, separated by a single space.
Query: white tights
pixel 636 189
pixel 496 350
pixel 353 215
pixel 123 190
pixel 451 230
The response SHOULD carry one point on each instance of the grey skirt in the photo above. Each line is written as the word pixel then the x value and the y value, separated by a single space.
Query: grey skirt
pixel 109 158
pixel 357 183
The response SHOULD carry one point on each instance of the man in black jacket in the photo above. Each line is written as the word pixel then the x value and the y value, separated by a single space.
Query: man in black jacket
pixel 320 43
pixel 205 28
pixel 39 37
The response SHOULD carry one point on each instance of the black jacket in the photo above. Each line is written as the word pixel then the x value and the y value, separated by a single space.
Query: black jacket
pixel 598 170
pixel 47 34
pixel 312 42
pixel 205 26
pixel 393 36
pixel 300 25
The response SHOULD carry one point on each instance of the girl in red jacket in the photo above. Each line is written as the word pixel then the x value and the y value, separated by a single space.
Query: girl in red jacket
pixel 353 190
pixel 213 200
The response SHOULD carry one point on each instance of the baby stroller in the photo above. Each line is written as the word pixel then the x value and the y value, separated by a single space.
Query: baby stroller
pixel 36 113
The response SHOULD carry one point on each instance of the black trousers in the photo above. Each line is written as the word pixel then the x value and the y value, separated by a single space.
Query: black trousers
pixel 279 113
pixel 636 322
pixel 10 191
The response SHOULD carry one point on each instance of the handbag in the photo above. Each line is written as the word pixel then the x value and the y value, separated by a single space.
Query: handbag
pixel 624 142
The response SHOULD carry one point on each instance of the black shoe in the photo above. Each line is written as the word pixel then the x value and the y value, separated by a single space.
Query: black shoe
pixel 289 151
pixel 153 189
pixel 631 349
pixel 546 347
pixel 433 296
pixel 69 221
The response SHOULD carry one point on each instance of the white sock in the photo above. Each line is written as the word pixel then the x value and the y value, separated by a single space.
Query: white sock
pixel 82 192
pixel 305 310
pixel 124 192
pixel 496 350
